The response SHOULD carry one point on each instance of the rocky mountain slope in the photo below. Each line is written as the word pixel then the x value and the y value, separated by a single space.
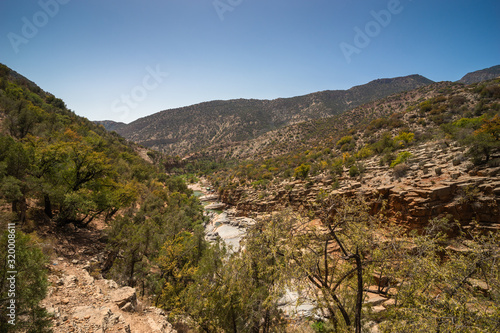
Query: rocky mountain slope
pixel 110 125
pixel 481 75
pixel 439 182
pixel 355 153
pixel 192 128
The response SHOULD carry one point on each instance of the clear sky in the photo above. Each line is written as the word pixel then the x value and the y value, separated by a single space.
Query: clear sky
pixel 125 59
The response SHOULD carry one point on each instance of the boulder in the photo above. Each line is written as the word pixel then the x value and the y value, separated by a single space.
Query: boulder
pixel 374 299
pixel 215 206
pixel 443 193
pixel 210 197
pixel 123 296
pixel 160 326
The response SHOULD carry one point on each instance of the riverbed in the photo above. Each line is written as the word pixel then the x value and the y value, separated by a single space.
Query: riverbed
pixel 224 224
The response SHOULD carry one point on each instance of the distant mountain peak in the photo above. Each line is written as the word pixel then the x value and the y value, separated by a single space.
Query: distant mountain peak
pixel 481 75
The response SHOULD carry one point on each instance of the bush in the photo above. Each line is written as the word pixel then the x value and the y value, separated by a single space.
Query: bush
pixel 400 170
pixel 337 167
pixel 344 140
pixel 302 171
pixel 354 171
pixel 364 152
pixel 401 158
pixel 404 138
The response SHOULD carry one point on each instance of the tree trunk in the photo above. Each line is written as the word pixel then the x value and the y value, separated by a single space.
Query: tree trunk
pixel 359 296
pixel 47 206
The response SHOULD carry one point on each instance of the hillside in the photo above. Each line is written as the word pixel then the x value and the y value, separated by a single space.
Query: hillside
pixel 186 130
pixel 481 75
pixel 354 153
pixel 71 192
pixel 110 125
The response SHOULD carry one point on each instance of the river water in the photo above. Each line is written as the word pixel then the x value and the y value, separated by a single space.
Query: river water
pixel 232 229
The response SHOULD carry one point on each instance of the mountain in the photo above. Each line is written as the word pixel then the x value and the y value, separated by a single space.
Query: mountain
pixel 110 125
pixel 482 75
pixel 184 130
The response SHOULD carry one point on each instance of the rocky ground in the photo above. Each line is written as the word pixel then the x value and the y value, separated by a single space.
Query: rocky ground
pixel 81 302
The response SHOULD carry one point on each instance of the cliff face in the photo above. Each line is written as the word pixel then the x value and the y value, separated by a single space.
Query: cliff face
pixel 438 183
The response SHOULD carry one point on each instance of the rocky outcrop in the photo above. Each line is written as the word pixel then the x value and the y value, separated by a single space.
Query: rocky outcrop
pixel 80 302
pixel 438 182
pixel 125 298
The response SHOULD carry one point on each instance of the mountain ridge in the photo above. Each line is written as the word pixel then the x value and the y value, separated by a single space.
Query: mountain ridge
pixel 183 130
pixel 481 75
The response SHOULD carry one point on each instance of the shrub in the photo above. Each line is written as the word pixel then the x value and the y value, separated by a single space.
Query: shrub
pixel 400 170
pixel 386 142
pixel 344 140
pixel 354 171
pixel 404 138
pixel 302 171
pixel 364 152
pixel 337 167
pixel 401 158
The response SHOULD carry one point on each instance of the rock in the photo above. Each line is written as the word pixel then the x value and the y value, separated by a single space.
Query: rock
pixel 123 296
pixel 442 193
pixel 209 197
pixel 479 285
pixel 389 303
pixel 70 280
pixel 371 327
pixel 385 190
pixel 374 299
pixel 111 284
pixel 128 307
pixel 87 279
pixel 215 206
pixel 489 172
pixel 160 326
pixel 378 308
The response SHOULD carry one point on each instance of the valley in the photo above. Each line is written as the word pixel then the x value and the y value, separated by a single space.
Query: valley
pixel 373 209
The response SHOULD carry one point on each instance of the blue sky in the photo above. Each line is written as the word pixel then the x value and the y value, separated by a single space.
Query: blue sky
pixel 125 59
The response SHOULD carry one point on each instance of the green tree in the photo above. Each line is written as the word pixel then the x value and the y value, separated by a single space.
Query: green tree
pixel 444 284
pixel 20 120
pixel 239 292
pixel 14 166
pixel 30 285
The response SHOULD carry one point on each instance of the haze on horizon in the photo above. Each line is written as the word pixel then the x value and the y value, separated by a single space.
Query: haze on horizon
pixel 122 60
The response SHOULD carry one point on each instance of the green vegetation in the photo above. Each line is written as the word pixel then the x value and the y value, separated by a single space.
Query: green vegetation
pixel 401 158
pixel 30 285
pixel 58 169
pixel 302 171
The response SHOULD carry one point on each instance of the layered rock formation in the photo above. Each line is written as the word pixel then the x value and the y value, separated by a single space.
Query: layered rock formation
pixel 438 182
